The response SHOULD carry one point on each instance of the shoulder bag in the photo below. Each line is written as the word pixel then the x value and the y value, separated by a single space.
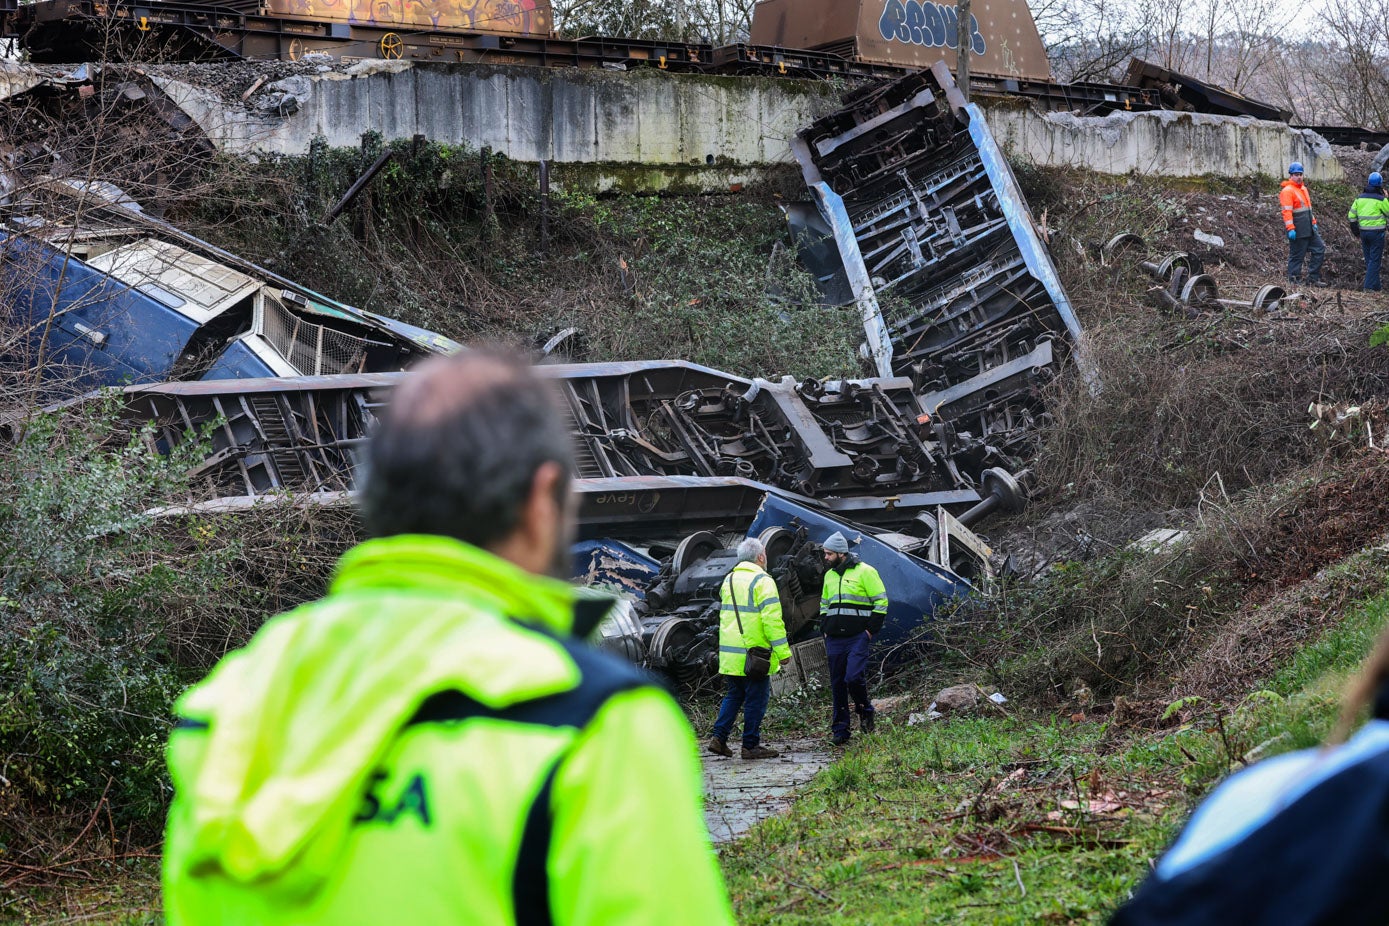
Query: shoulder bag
pixel 757 664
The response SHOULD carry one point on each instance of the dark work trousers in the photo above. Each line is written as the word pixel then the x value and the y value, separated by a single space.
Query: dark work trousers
pixel 1372 243
pixel 1311 248
pixel 751 698
pixel 848 666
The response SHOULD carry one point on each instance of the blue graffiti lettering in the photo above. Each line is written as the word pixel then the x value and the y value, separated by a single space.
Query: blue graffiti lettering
pixel 916 18
pixel 893 18
pixel 931 25
pixel 935 23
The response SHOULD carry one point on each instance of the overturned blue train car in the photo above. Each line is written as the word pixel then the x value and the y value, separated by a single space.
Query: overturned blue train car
pixel 938 251
pixel 676 462
pixel 117 305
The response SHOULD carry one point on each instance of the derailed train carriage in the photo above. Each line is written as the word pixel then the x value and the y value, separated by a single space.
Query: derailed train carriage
pixel 668 616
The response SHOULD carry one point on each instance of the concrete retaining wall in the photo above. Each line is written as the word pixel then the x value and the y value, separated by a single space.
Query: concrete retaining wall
pixel 648 130
pixel 647 127
pixel 1167 143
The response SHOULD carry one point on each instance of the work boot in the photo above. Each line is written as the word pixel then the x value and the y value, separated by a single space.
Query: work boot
pixel 718 747
pixel 840 739
pixel 759 752
pixel 865 722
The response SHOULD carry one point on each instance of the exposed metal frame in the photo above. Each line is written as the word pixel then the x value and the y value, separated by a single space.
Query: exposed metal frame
pixel 954 282
pixel 659 443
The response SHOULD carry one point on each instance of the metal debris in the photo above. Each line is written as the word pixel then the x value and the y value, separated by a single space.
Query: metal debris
pixel 1182 91
pixel 663 446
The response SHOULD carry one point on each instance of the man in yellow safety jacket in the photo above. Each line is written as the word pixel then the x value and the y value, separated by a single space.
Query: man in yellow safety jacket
pixel 853 607
pixel 749 616
pixel 431 743
pixel 1368 216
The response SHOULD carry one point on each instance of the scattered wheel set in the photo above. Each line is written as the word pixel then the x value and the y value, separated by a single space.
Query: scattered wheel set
pixel 1185 286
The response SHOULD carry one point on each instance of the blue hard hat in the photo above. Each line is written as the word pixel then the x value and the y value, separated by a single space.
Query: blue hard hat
pixel 1376 179
pixel 1295 167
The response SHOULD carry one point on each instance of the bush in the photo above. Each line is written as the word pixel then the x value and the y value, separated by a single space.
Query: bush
pixel 89 586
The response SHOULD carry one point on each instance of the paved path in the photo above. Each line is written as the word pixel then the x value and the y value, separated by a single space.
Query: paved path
pixel 738 794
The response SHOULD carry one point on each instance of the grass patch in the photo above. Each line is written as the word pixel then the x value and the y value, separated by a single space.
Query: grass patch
pixel 122 893
pixel 1338 653
pixel 975 820
pixel 1024 820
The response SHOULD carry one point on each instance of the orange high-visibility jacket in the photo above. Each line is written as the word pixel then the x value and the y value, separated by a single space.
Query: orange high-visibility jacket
pixel 1297 208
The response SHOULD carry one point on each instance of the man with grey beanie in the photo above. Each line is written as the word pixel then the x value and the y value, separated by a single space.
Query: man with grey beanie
pixel 853 606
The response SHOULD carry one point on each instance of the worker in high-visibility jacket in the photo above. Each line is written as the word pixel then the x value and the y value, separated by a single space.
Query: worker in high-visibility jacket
pixel 1304 240
pixel 749 616
pixel 431 743
pixel 853 607
pixel 1368 216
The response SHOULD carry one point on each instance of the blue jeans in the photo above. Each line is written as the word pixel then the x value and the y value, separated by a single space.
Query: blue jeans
pixel 1372 243
pixel 749 697
pixel 848 667
pixel 1310 247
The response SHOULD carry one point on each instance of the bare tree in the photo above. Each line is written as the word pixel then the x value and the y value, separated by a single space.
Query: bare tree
pixel 719 22
pixel 1353 80
pixel 1091 40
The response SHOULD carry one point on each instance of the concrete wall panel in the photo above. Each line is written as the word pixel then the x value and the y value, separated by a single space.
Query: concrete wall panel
pixel 652 129
pixel 1165 143
pixel 574 122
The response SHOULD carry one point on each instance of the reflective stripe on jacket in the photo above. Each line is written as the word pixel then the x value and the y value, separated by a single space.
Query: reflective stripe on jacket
pixel 852 601
pixel 1296 201
pixel 428 745
pixel 1370 211
pixel 759 609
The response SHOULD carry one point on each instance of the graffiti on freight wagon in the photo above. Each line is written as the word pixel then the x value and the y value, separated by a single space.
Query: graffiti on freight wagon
pixel 931 25
pixel 520 16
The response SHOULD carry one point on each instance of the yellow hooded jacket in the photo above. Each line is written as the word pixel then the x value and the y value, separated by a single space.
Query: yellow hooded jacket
pixel 428 745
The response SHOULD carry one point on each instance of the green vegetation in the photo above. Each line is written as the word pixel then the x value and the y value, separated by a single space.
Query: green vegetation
pixel 430 241
pixel 91 590
pixel 972 820
pixel 1023 819
pixel 106 614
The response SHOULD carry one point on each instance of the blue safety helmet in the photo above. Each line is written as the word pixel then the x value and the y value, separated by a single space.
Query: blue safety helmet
pixel 1295 167
pixel 1376 179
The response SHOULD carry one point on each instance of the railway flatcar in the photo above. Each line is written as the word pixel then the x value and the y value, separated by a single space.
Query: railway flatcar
pixel 792 38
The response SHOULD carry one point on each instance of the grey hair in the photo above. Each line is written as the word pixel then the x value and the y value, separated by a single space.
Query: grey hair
pixel 458 449
pixel 750 549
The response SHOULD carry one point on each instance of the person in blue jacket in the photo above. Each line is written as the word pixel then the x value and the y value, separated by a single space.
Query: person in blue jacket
pixel 1295 840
